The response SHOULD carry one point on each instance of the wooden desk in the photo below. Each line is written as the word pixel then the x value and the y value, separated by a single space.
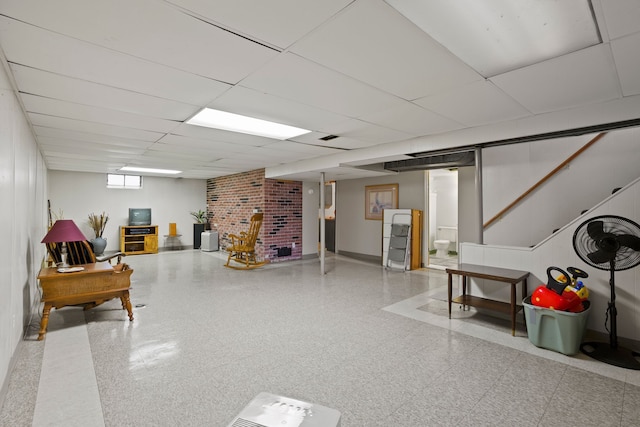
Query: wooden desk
pixel 513 277
pixel 90 287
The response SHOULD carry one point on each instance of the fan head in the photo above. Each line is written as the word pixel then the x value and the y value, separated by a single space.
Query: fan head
pixel 608 241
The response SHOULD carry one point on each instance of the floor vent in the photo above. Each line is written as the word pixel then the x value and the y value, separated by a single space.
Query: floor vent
pixel 284 251
pixel 270 410
pixel 246 423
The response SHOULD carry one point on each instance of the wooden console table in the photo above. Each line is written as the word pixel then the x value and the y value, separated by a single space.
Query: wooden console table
pixel 513 277
pixel 90 287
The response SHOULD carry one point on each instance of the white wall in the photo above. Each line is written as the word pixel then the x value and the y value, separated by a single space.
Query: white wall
pixel 508 171
pixel 23 224
pixel 310 220
pixel 557 250
pixel 468 224
pixel 78 194
pixel 354 233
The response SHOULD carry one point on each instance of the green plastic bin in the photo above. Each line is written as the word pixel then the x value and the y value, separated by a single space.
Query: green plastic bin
pixel 559 331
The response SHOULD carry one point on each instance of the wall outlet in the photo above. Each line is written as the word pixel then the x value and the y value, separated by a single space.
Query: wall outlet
pixel 293 245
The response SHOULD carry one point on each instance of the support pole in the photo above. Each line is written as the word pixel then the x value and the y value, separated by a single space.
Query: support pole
pixel 322 224
pixel 478 156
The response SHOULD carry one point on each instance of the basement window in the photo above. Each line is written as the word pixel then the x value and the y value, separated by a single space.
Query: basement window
pixel 131 182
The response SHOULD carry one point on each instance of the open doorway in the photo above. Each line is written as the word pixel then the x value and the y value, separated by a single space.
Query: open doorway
pixel 442 218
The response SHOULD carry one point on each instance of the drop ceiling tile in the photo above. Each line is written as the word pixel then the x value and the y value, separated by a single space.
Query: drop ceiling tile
pixel 261 105
pixel 476 104
pixel 627 58
pixel 37 104
pixel 292 77
pixel 303 149
pixel 84 155
pixel 370 41
pixel 340 143
pixel 347 143
pixel 584 77
pixel 412 120
pixel 37 82
pixel 622 17
pixel 34 47
pixel 158 162
pixel 84 147
pixel 239 164
pixel 368 133
pixel 276 22
pixel 75 136
pixel 169 37
pixel 172 156
pixel 206 172
pixel 503 35
pixel 275 157
pixel 81 126
pixel 207 147
pixel 210 134
pixel 62 162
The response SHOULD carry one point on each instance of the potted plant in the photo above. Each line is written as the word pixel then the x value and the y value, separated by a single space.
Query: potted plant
pixel 200 216
pixel 199 227
pixel 98 224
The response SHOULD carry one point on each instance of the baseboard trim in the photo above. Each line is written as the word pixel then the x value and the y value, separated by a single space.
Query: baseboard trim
pixel 373 259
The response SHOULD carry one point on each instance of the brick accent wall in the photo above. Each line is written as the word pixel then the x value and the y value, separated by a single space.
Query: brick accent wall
pixel 231 200
pixel 282 219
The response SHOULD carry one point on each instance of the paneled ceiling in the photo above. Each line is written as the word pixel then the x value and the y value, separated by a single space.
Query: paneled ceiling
pixel 107 84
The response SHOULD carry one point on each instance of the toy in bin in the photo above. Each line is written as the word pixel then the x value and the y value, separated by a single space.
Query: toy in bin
pixel 565 293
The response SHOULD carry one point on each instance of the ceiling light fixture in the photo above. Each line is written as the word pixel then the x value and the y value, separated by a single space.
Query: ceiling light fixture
pixel 217 119
pixel 149 170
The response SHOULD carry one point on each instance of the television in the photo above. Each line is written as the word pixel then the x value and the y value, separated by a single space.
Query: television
pixel 139 216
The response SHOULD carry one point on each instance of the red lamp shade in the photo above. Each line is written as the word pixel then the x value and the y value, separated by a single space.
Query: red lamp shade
pixel 64 230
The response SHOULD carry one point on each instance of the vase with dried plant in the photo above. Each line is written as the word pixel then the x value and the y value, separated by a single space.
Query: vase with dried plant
pixel 98 223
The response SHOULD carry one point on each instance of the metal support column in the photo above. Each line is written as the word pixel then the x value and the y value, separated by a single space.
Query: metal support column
pixel 322 224
pixel 478 156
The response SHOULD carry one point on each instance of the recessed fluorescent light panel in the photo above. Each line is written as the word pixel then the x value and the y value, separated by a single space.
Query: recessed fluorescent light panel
pixel 497 36
pixel 236 123
pixel 149 170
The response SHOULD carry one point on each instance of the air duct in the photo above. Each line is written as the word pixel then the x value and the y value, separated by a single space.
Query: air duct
pixel 434 161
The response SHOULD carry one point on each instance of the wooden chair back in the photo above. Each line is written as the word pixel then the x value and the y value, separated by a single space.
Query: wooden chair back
pixel 254 229
pixel 77 252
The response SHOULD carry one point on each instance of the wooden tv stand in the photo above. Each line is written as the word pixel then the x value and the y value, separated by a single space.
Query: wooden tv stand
pixel 139 239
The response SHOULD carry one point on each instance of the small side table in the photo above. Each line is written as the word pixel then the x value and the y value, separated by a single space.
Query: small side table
pixel 172 241
pixel 505 275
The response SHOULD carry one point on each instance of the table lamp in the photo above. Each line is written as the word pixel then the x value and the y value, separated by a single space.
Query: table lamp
pixel 63 231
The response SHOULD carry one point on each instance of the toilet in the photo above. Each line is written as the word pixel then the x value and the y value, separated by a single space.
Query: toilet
pixel 444 237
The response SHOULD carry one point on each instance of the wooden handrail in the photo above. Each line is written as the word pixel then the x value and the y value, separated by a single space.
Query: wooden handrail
pixel 543 180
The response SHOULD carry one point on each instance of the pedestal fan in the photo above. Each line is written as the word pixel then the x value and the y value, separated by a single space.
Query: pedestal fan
pixel 612 243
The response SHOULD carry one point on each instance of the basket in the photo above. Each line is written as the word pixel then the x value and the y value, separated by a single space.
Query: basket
pixel 560 331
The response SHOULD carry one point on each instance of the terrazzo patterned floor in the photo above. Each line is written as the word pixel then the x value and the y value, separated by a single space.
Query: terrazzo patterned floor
pixel 368 342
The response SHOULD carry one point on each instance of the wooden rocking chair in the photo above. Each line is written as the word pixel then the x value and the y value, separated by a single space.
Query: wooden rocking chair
pixel 242 249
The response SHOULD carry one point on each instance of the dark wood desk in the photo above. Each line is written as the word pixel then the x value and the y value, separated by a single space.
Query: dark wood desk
pixel 513 277
pixel 92 286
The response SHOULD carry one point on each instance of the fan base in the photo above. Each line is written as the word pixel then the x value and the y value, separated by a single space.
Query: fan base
pixel 622 357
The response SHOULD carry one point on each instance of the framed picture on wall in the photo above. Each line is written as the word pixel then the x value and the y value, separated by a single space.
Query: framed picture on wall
pixel 379 197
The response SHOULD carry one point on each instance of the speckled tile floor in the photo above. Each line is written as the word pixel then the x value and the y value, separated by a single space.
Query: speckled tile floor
pixel 206 340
